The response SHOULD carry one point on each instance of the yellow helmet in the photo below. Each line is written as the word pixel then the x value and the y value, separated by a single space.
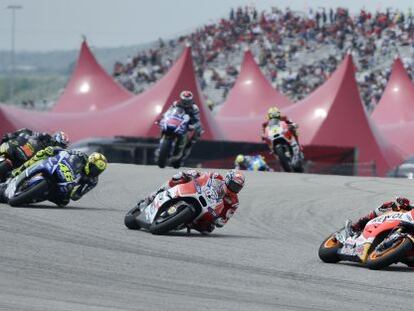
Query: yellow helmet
pixel 96 164
pixel 273 113
pixel 239 159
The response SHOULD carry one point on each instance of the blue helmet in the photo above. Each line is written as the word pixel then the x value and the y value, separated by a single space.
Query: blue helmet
pixel 60 139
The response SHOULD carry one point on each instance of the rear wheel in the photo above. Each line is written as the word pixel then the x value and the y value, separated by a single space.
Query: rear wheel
pixel 170 219
pixel 31 194
pixel 130 219
pixel 284 160
pixel 328 251
pixel 165 146
pixel 383 257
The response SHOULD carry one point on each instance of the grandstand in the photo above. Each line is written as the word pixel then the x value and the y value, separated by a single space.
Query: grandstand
pixel 307 65
pixel 296 51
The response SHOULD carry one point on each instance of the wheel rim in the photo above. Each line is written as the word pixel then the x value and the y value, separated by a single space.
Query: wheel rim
pixel 375 255
pixel 170 212
pixel 331 242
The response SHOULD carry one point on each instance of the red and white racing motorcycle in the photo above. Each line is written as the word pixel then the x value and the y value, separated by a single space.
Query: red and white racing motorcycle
pixel 283 144
pixel 385 240
pixel 177 208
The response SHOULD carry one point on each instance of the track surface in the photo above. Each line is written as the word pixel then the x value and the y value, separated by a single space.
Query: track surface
pixel 83 258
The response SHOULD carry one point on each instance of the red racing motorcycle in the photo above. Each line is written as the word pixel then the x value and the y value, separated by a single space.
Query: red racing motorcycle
pixel 177 208
pixel 385 240
pixel 283 144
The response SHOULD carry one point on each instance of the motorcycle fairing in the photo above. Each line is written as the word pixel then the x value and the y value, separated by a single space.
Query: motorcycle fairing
pixel 358 247
pixel 197 190
pixel 57 166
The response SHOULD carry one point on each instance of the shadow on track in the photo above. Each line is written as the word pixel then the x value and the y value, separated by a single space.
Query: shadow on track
pixel 392 268
pixel 192 234
pixel 76 208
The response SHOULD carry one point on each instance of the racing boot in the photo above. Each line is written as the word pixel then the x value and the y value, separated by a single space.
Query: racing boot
pixel 186 154
pixel 148 200
pixel 348 229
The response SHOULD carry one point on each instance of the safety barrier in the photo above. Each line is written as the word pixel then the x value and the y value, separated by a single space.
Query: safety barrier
pixel 221 154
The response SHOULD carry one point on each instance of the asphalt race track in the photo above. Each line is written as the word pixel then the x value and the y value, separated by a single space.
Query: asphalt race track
pixel 83 258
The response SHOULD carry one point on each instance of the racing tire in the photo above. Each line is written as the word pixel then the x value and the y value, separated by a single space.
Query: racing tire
pixel 328 251
pixel 396 253
pixel 28 196
pixel 5 170
pixel 130 219
pixel 182 216
pixel 298 168
pixel 283 159
pixel 165 146
pixel 176 164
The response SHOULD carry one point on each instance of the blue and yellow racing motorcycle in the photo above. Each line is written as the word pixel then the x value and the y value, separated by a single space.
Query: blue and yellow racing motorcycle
pixel 51 177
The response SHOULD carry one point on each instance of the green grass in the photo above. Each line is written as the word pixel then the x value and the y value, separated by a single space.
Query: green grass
pixel 31 87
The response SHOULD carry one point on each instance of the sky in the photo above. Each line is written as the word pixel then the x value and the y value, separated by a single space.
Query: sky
pixel 45 25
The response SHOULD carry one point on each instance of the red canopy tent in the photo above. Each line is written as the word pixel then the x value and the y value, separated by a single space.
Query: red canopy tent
pixel 400 135
pixel 134 117
pixel 90 88
pixel 331 116
pixel 241 129
pixel 334 115
pixel 252 95
pixel 397 102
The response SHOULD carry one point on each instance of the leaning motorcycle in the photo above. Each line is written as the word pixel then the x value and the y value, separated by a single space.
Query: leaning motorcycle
pixel 258 164
pixel 283 144
pixel 174 137
pixel 385 240
pixel 12 155
pixel 177 208
pixel 50 177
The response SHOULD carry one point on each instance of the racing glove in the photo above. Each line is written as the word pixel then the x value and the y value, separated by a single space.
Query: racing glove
pixel 4 147
pixel 219 222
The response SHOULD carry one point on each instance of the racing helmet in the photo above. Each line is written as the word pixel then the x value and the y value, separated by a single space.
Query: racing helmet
pixel 234 181
pixel 186 98
pixel 60 139
pixel 239 159
pixel 273 113
pixel 95 164
pixel 403 203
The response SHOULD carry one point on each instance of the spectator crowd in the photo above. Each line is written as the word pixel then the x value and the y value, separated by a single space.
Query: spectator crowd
pixel 297 51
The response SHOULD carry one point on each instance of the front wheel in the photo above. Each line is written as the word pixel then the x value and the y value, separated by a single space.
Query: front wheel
pixel 284 160
pixel 31 194
pixel 164 152
pixel 328 251
pixel 382 257
pixel 173 217
pixel 130 219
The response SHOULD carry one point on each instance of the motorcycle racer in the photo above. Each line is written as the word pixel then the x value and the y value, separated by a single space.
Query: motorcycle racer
pixel 274 113
pixel 58 138
pixel 226 187
pixel 187 103
pixel 21 145
pixel 251 163
pixel 401 204
pixel 89 168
